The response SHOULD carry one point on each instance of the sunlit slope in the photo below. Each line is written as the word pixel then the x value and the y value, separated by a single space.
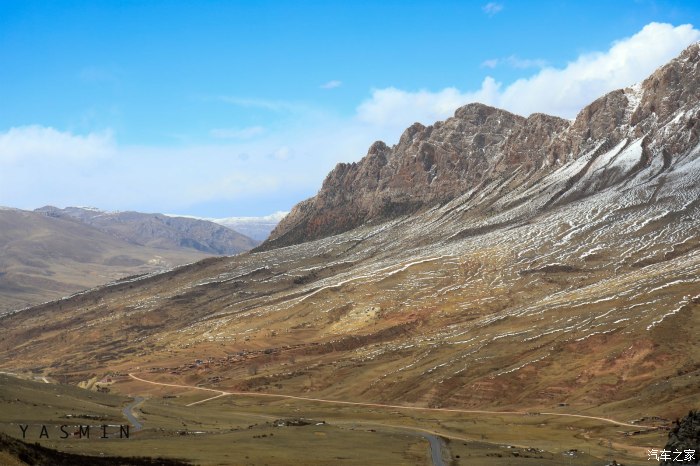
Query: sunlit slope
pixel 43 258
pixel 591 302
pixel 572 284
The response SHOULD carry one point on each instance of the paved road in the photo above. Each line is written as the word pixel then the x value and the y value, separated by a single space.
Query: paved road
pixel 128 412
pixel 381 405
pixel 435 449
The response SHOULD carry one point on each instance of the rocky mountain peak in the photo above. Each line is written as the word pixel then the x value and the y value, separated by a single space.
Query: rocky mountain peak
pixel 410 133
pixel 669 89
pixel 378 148
pixel 483 146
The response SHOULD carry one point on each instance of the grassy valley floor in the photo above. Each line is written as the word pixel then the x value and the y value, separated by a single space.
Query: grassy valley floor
pixel 237 429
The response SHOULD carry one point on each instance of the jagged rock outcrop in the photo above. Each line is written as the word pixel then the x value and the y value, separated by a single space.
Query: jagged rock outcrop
pixel 429 165
pixel 484 146
pixel 684 437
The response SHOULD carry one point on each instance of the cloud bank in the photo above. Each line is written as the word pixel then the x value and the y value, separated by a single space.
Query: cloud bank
pixel 255 170
pixel 556 91
pixel 38 142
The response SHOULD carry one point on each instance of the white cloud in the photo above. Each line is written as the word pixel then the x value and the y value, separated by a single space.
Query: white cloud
pixel 265 104
pixel 47 166
pixel 566 91
pixel 282 153
pixel 557 91
pixel 490 63
pixel 292 159
pixel 237 133
pixel 492 8
pixel 397 108
pixel 332 84
pixel 23 142
pixel 523 63
pixel 515 62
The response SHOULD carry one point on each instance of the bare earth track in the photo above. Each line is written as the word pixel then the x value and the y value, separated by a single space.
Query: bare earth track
pixel 382 405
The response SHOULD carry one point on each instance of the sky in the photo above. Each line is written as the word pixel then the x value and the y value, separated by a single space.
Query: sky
pixel 241 108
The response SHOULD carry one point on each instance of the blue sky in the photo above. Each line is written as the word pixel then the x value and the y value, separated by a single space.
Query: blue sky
pixel 241 108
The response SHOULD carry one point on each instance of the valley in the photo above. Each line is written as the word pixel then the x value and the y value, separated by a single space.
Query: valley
pixel 271 431
pixel 50 253
pixel 523 290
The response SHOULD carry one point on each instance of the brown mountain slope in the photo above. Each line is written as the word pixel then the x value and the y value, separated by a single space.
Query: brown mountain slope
pixel 44 258
pixel 160 231
pixel 573 286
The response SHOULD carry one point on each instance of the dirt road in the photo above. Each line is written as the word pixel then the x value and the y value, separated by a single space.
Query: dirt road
pixel 381 405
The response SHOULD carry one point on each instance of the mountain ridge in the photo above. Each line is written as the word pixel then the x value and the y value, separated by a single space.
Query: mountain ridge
pixel 483 145
pixel 570 289
pixel 45 257
pixel 257 228
pixel 159 230
pixel 49 253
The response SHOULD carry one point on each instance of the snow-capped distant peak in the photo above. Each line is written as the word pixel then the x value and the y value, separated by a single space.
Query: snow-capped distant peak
pixel 91 209
pixel 275 217
pixel 258 228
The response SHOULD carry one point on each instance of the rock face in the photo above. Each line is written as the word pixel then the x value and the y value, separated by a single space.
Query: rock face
pixel 484 152
pixel 685 436
pixel 159 231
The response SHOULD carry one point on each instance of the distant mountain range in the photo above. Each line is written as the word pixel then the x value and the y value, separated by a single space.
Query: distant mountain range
pixel 49 253
pixel 158 230
pixel 258 228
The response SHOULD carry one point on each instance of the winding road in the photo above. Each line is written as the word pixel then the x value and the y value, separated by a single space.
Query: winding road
pixel 129 413
pixel 435 449
pixel 433 438
pixel 381 405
